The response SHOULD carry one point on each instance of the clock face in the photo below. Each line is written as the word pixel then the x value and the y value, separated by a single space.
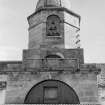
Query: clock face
pixel 53 26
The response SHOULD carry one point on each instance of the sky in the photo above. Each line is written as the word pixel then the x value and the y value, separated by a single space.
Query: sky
pixel 14 28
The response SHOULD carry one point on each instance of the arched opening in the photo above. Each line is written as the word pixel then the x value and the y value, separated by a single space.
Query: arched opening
pixel 53 56
pixel 52 92
pixel 53 60
pixel 53 25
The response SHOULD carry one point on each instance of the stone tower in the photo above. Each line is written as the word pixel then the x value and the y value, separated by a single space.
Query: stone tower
pixel 53 69
pixel 53 30
pixel 52 24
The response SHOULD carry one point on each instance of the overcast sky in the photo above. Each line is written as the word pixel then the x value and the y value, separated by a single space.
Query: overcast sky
pixel 14 28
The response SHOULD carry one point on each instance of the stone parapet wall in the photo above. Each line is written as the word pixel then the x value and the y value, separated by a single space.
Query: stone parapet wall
pixel 33 54
pixel 11 65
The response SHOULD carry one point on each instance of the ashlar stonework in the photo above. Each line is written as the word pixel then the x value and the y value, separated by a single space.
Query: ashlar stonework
pixel 52 70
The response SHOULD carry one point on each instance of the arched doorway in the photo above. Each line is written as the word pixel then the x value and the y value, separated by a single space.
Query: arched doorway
pixel 51 92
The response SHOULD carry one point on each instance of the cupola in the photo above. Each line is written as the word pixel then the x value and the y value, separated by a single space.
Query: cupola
pixel 53 3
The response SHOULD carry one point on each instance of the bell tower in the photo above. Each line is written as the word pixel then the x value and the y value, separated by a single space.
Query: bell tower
pixel 53 30
pixel 53 25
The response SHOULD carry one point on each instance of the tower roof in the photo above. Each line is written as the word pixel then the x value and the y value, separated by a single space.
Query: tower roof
pixel 53 3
